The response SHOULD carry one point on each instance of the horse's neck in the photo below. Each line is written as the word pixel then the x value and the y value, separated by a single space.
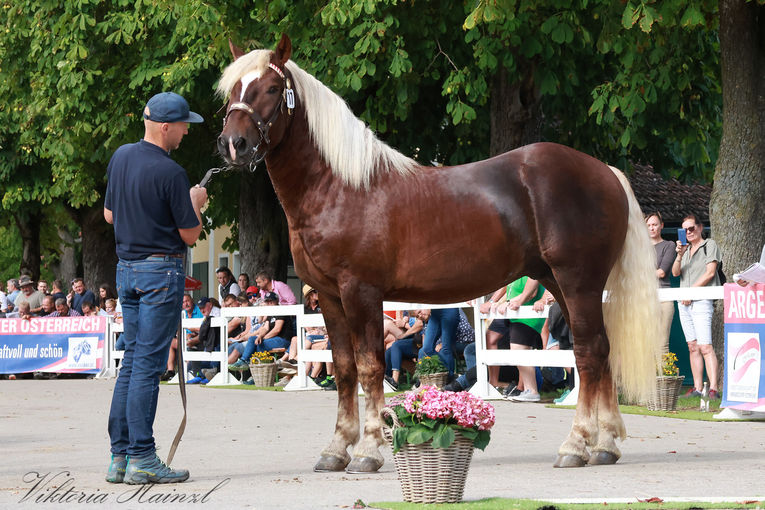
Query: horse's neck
pixel 293 166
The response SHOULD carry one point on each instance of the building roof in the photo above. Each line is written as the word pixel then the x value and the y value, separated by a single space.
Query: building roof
pixel 673 199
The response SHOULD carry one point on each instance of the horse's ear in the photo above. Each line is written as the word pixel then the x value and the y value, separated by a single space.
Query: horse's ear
pixel 284 49
pixel 235 51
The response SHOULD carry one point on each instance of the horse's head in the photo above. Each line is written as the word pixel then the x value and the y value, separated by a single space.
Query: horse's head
pixel 260 103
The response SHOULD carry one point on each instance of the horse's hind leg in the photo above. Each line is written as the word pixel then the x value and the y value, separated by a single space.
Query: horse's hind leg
pixel 591 349
pixel 335 456
pixel 610 423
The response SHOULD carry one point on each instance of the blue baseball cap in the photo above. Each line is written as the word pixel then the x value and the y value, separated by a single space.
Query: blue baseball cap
pixel 169 107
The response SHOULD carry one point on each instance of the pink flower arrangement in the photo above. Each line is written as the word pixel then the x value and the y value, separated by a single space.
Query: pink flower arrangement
pixel 431 414
pixel 465 408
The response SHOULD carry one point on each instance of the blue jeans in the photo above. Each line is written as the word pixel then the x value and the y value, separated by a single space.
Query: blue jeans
pixel 442 324
pixel 469 353
pixel 275 342
pixel 403 348
pixel 150 291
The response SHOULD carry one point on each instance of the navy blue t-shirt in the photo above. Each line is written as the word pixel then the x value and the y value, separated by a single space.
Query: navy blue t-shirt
pixel 148 194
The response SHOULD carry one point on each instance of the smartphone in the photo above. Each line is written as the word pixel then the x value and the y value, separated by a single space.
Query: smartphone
pixel 681 235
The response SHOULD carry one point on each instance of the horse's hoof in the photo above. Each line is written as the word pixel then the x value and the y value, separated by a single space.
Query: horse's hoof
pixel 567 461
pixel 602 458
pixel 329 463
pixel 360 465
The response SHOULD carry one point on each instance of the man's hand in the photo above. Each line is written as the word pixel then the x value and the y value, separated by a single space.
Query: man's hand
pixel 198 197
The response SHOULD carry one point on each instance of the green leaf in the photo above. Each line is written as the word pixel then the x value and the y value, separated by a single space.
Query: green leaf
pixel 629 16
pixel 443 436
pixel 399 438
pixel 692 17
pixel 482 440
pixel 625 138
pixel 419 434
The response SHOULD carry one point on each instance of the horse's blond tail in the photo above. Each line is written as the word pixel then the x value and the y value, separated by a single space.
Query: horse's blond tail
pixel 631 312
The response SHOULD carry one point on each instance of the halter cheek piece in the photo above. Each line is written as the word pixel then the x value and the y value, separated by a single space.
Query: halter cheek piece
pixel 287 96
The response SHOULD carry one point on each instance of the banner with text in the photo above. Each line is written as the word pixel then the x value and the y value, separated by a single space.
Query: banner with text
pixel 744 361
pixel 56 344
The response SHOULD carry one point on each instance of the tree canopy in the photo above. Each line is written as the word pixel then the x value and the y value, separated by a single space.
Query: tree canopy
pixel 625 82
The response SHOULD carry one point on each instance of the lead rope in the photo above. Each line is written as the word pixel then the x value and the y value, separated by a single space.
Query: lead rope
pixel 181 371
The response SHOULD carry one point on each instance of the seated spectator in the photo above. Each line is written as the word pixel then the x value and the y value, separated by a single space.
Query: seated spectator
pixel 110 307
pixel 63 310
pixel 22 312
pixel 236 325
pixel 317 339
pixel 190 311
pixel 266 284
pixel 252 296
pixel 468 379
pixel 42 286
pixel 89 308
pixel 464 334
pixel 400 328
pixel 105 291
pixel 57 289
pixel 442 325
pixel 48 306
pixel 79 294
pixel 226 283
pixel 207 340
pixel 278 334
pixel 29 295
pixel 243 281
pixel 13 290
pixel 402 349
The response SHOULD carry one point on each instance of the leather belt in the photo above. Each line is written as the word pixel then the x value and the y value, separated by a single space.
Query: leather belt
pixel 171 255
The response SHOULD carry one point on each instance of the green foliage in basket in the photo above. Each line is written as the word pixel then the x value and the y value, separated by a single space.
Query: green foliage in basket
pixel 669 364
pixel 432 414
pixel 429 365
pixel 261 358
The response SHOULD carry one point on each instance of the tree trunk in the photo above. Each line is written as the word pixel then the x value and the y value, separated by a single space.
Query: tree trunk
pixel 99 256
pixel 263 237
pixel 516 112
pixel 66 268
pixel 737 205
pixel 28 222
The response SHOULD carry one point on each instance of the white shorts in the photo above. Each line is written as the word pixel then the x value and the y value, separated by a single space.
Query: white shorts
pixel 696 320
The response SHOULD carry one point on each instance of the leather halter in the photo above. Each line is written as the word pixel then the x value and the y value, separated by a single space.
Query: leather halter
pixel 262 125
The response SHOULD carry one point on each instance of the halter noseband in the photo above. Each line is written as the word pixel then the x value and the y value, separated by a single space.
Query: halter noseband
pixel 265 126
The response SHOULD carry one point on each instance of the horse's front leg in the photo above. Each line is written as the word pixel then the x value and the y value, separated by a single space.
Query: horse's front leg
pixel 335 456
pixel 363 305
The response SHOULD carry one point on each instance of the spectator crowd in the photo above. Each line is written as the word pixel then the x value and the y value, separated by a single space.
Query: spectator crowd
pixel 409 335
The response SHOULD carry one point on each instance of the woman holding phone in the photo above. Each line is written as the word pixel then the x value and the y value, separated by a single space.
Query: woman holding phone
pixel 696 265
pixel 665 255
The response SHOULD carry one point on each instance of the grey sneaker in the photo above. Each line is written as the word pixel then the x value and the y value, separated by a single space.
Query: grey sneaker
pixel 150 469
pixel 116 472
pixel 526 396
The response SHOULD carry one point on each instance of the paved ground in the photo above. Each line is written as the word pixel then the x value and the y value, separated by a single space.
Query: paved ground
pixel 256 449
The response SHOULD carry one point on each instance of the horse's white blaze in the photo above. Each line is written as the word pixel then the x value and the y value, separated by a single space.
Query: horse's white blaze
pixel 246 80
pixel 231 150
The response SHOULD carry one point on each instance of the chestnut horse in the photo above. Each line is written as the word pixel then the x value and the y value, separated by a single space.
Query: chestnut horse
pixel 367 224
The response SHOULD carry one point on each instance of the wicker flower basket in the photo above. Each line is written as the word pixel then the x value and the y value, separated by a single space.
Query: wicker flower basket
pixel 263 374
pixel 667 391
pixel 438 379
pixel 427 474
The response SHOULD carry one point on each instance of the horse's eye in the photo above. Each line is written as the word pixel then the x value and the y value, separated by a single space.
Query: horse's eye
pixel 273 90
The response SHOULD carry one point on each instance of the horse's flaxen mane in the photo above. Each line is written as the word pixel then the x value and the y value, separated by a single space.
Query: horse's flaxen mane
pixel 348 146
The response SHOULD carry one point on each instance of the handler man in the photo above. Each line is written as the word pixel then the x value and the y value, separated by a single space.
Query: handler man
pixel 155 213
